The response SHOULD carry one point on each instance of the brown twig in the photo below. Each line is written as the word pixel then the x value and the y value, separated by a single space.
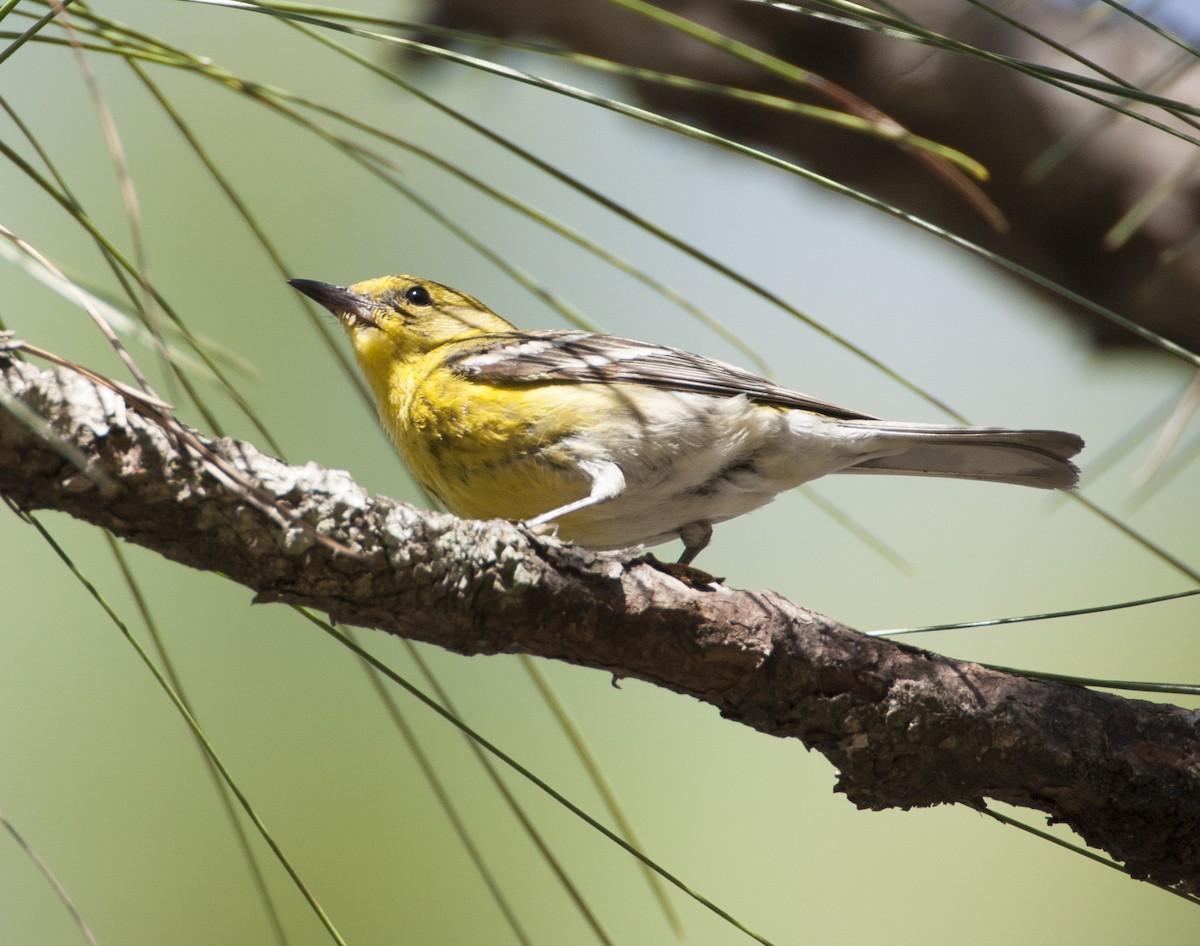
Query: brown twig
pixel 904 727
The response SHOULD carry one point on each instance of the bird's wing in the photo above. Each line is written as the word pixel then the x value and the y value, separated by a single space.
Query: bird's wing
pixel 568 356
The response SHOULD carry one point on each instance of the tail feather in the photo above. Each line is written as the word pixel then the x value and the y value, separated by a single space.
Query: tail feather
pixel 1039 458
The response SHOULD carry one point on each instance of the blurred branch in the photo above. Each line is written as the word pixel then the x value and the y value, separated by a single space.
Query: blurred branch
pixel 1102 189
pixel 903 726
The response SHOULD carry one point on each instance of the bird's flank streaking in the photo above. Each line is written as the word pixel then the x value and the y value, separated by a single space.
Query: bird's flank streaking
pixel 620 442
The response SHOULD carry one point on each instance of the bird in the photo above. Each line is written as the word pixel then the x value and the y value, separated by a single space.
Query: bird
pixel 622 443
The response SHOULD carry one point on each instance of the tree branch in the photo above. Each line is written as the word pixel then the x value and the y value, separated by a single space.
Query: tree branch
pixel 903 726
pixel 1062 212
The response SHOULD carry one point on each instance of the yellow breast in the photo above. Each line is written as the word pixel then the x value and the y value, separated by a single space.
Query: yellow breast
pixel 485 451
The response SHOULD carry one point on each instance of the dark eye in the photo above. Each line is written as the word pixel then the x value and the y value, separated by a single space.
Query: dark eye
pixel 418 295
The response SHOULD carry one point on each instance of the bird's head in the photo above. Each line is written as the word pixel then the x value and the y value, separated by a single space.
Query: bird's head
pixel 404 315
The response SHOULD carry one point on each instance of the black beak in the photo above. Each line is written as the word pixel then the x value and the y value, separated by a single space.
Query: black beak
pixel 348 306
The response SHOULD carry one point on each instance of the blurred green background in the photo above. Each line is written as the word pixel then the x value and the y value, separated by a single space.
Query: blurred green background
pixel 100 775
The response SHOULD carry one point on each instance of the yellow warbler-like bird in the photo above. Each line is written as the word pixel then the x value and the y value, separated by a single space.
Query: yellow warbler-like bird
pixel 621 442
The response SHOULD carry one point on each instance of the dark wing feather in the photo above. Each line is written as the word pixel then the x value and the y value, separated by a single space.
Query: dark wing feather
pixel 567 356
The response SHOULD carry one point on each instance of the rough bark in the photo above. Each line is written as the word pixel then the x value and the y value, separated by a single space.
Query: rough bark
pixel 904 727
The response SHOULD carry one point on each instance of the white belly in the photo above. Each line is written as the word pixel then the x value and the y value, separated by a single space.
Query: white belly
pixel 704 459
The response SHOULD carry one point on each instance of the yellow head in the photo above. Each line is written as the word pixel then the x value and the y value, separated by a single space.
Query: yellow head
pixel 402 316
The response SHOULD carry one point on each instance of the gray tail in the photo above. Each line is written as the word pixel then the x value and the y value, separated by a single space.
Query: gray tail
pixel 1039 458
